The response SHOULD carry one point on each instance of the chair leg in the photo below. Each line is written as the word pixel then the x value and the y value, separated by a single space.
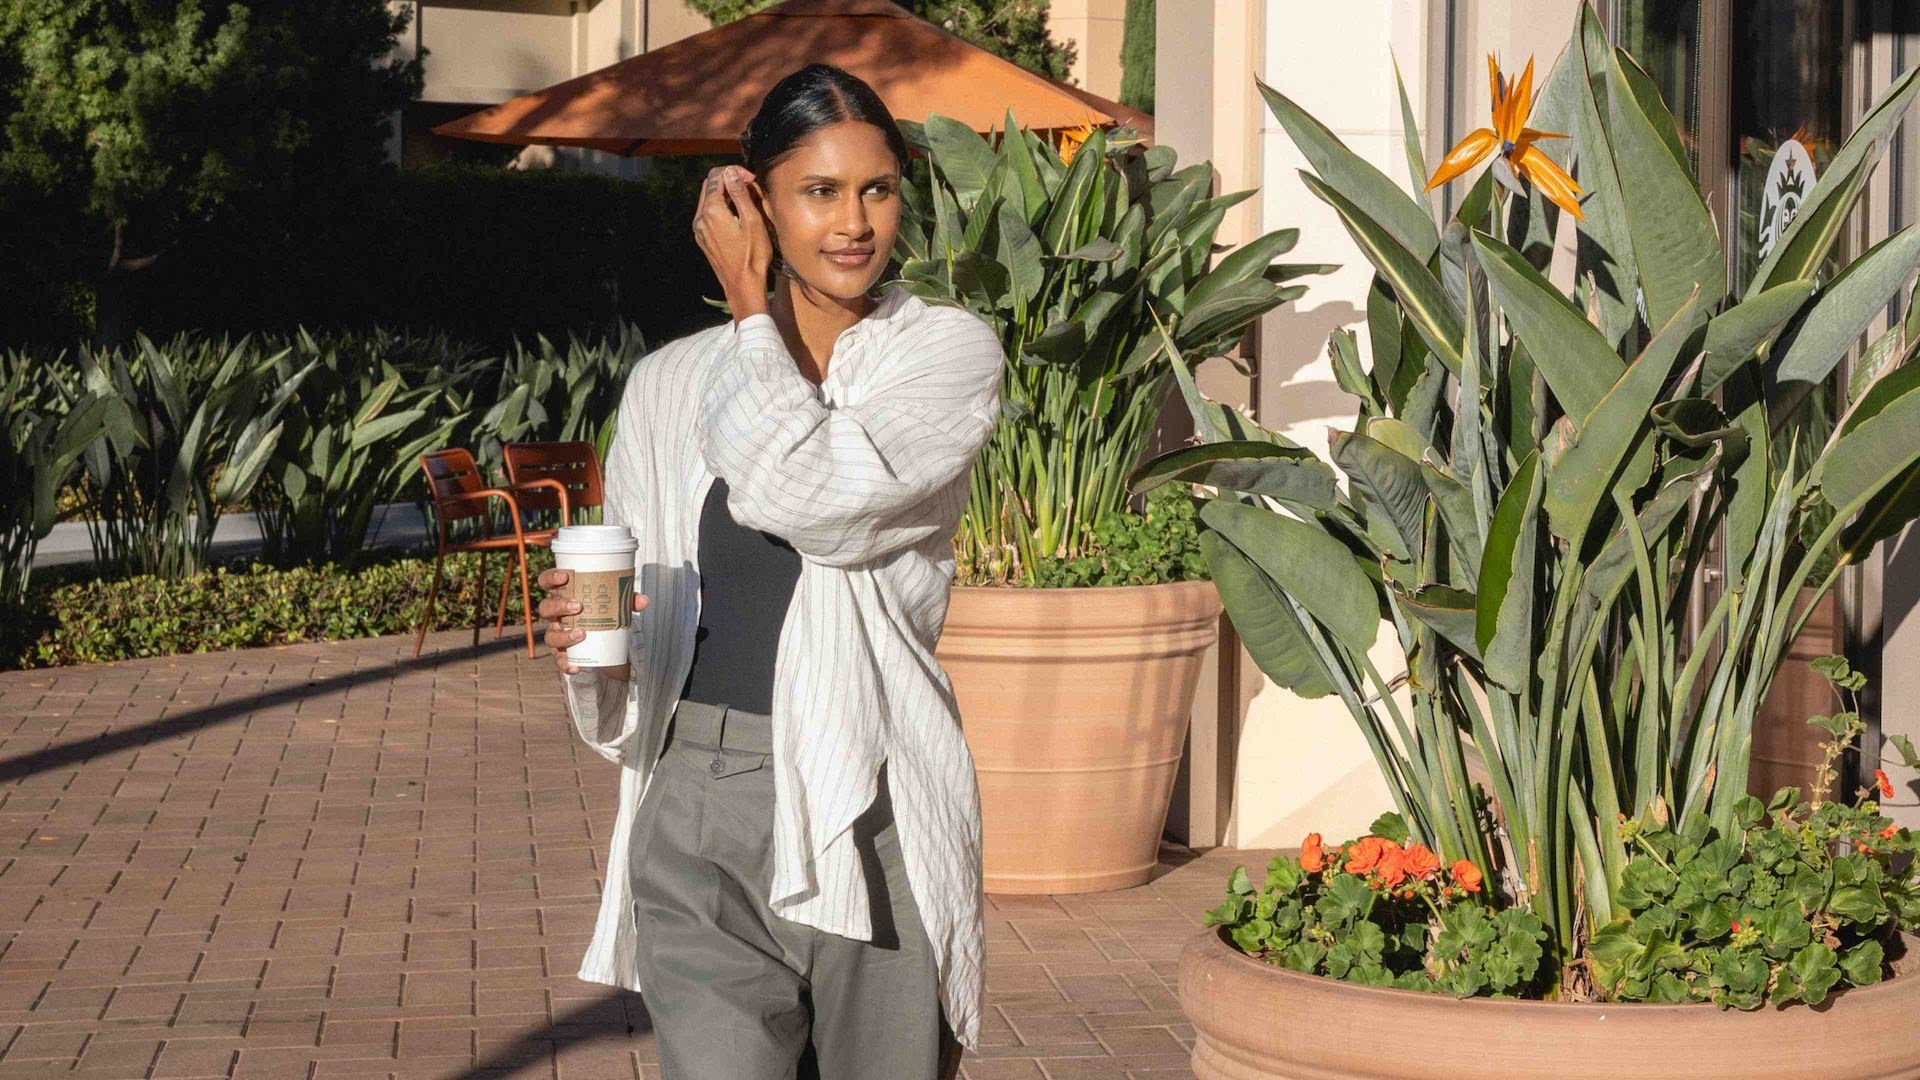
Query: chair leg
pixel 500 619
pixel 426 618
pixel 526 601
pixel 480 599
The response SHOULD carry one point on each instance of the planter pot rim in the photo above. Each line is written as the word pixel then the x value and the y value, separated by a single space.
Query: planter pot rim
pixel 1035 590
pixel 1215 940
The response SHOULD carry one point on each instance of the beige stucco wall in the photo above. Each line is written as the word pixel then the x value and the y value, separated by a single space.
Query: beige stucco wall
pixel 1303 765
pixel 1095 27
pixel 490 50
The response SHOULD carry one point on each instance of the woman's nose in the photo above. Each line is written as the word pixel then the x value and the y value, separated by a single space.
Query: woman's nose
pixel 853 219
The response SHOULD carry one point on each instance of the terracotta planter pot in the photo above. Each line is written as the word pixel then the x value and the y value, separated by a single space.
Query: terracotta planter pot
pixel 1254 1020
pixel 1075 703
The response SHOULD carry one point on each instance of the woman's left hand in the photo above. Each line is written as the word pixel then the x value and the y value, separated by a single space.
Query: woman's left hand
pixel 733 233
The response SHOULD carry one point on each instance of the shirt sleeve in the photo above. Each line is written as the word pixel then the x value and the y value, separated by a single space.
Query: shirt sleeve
pixel 848 484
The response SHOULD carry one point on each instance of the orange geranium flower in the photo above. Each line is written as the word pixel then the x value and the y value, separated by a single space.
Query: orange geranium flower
pixel 1422 863
pixel 1889 832
pixel 1466 875
pixel 1511 144
pixel 1885 785
pixel 1313 857
pixel 1366 855
pixel 1392 869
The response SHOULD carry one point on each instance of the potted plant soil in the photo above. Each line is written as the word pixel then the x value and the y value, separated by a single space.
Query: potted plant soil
pixel 1529 494
pixel 1078 626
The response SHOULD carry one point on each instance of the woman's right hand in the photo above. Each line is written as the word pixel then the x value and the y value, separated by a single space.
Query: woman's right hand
pixel 557 609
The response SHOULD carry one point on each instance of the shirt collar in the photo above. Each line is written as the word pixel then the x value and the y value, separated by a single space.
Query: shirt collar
pixel 893 300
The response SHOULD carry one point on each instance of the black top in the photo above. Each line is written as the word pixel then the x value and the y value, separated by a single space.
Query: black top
pixel 747 579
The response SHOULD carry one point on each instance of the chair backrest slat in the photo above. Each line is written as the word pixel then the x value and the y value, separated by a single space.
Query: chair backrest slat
pixel 574 464
pixel 452 474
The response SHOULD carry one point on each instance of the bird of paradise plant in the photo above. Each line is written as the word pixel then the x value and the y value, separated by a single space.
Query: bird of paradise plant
pixel 1536 480
pixel 1517 159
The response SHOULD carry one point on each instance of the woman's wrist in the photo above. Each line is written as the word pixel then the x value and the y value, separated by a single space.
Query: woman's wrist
pixel 747 299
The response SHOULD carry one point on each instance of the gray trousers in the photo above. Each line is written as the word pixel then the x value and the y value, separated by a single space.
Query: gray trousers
pixel 737 992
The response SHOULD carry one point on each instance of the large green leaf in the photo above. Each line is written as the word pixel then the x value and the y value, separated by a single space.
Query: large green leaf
pixel 1079 197
pixel 1675 244
pixel 1578 364
pixel 1584 474
pixel 1032 196
pixel 1646 94
pixel 1391 484
pixel 1020 253
pixel 1256 467
pixel 1503 605
pixel 1812 232
pixel 1874 451
pixel 1212 421
pixel 1736 334
pixel 1369 189
pixel 1449 612
pixel 961 156
pixel 1410 142
pixel 1420 295
pixel 1263 621
pixel 1698 423
pixel 1752 479
pixel 1245 262
pixel 1308 564
pixel 1899 502
pixel 1464 527
pixel 1613 566
pixel 1225 311
pixel 1848 306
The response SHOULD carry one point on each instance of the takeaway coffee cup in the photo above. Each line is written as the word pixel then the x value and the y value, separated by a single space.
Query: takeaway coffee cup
pixel 600 559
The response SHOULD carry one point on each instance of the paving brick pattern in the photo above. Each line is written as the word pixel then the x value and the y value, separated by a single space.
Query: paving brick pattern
pixel 336 861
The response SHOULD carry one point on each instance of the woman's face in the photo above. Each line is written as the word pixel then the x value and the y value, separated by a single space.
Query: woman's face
pixel 834 204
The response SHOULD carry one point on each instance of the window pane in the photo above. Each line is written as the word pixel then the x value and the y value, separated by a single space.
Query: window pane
pixel 1788 65
pixel 1664 36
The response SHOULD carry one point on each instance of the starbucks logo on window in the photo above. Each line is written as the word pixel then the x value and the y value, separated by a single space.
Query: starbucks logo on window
pixel 1789 179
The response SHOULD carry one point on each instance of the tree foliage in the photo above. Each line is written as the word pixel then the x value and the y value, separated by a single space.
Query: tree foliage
pixel 130 122
pixel 1137 56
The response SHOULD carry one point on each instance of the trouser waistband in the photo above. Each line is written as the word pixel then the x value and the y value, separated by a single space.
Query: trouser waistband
pixel 714 726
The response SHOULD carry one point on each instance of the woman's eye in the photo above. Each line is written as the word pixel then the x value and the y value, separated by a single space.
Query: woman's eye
pixel 820 189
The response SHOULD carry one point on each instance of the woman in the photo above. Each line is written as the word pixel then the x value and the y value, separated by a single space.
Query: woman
pixel 794 880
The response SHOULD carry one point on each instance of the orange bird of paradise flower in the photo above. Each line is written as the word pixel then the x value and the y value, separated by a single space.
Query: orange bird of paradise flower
pixel 1073 138
pixel 1512 142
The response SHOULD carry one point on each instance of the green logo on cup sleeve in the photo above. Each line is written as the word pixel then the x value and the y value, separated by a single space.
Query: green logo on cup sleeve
pixel 605 597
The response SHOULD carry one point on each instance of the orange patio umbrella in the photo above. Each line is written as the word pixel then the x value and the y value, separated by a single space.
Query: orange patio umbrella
pixel 697 94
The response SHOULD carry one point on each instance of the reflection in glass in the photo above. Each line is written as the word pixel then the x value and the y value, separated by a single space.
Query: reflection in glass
pixel 1664 36
pixel 1787 66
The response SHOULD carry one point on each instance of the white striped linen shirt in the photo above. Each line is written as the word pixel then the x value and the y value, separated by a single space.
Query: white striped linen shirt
pixel 865 476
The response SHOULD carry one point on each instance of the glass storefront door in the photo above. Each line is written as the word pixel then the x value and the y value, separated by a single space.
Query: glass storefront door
pixel 1758 90
pixel 1787 104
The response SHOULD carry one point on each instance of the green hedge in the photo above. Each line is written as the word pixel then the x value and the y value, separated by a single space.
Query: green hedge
pixel 71 619
pixel 242 607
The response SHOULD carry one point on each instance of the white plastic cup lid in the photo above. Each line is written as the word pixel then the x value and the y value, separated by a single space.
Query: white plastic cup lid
pixel 593 540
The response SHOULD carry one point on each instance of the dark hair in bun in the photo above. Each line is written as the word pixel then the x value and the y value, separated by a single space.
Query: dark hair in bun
pixel 816 96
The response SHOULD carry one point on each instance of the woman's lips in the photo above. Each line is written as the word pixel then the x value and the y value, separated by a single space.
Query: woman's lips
pixel 848 258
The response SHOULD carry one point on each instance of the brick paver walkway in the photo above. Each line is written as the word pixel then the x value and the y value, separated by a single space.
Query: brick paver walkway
pixel 333 860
